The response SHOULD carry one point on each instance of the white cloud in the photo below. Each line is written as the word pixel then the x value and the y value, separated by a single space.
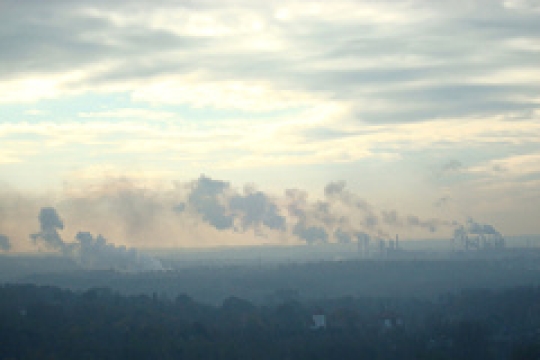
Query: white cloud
pixel 522 5
pixel 511 166
pixel 129 114
pixel 314 83
pixel 35 112
pixel 231 55
pixel 9 157
pixel 30 89
pixel 288 141
pixel 229 94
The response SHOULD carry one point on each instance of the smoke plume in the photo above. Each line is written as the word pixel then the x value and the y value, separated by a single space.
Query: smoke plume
pixel 90 252
pixel 474 235
pixel 339 217
pixel 224 208
pixel 50 223
pixel 204 212
pixel 96 253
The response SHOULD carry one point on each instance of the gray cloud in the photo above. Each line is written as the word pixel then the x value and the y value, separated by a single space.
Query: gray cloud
pixel 435 50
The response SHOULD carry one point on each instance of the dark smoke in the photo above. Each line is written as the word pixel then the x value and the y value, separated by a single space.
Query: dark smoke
pixel 50 223
pixel 222 207
pixel 318 215
pixel 334 188
pixel 89 252
pixel 344 214
pixel 206 198
pixel 311 234
pixel 5 244
pixel 340 215
pixel 256 208
pixel 297 201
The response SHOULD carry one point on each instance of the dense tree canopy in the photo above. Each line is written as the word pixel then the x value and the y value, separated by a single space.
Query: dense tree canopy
pixel 52 323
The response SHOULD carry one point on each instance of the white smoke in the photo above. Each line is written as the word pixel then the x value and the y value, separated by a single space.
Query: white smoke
pixel 97 253
pixel 474 235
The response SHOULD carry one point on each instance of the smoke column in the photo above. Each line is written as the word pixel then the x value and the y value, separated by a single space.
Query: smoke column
pixel 50 223
pixel 96 253
pixel 476 235
pixel 90 252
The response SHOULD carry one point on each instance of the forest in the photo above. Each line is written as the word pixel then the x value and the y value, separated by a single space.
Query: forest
pixel 48 322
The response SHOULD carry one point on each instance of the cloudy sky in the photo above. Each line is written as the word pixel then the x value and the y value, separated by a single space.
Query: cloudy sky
pixel 205 122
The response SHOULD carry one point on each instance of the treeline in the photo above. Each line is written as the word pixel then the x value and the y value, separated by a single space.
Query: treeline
pixel 40 322
pixel 314 280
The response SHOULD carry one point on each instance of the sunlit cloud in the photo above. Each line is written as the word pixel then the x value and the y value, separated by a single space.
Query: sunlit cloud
pixel 129 114
pixel 383 94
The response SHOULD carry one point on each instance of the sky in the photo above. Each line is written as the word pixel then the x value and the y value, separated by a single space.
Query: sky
pixel 214 123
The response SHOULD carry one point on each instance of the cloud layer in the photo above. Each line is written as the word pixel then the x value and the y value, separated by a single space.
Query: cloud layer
pixel 436 99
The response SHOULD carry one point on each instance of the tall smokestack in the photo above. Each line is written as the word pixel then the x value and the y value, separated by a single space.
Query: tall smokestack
pixel 397 241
